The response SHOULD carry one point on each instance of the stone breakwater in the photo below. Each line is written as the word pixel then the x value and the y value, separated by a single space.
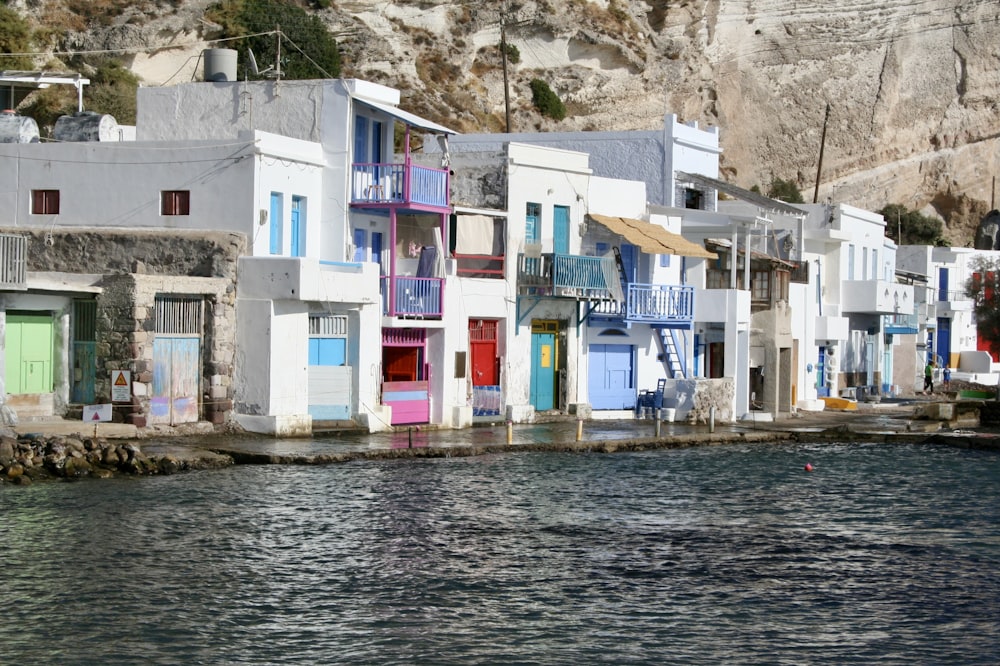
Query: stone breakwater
pixel 29 459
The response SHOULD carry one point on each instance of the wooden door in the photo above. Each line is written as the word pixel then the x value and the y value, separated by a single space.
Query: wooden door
pixel 176 372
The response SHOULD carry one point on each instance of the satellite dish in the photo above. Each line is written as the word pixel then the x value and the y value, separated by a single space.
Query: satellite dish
pixel 253 65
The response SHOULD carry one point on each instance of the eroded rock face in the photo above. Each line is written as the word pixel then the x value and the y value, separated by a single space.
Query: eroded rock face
pixel 988 232
pixel 911 84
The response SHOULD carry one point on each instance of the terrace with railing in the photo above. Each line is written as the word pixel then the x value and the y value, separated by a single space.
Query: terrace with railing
pixel 651 304
pixel 384 184
pixel 566 276
pixel 412 297
pixel 13 262
pixel 902 324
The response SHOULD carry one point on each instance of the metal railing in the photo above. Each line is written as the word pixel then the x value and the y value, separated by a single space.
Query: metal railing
pixel 568 275
pixel 13 262
pixel 395 183
pixel 652 303
pixel 412 297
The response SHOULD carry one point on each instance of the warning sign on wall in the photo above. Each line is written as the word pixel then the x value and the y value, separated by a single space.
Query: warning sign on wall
pixel 121 386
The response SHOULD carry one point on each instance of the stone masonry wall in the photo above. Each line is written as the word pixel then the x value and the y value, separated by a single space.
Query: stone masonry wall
pixel 137 266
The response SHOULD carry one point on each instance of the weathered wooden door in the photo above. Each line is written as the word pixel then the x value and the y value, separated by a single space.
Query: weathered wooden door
pixel 176 363
pixel 176 360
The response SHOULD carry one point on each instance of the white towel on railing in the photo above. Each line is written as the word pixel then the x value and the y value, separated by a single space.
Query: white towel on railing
pixel 609 267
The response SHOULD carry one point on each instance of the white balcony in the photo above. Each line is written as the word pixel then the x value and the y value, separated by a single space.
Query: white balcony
pixel 832 328
pixel 876 297
pixel 722 305
pixel 305 279
pixel 950 302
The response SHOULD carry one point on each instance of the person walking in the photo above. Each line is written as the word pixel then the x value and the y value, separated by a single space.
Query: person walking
pixel 929 377
pixel 946 378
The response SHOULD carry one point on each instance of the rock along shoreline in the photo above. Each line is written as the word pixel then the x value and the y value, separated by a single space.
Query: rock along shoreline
pixel 35 458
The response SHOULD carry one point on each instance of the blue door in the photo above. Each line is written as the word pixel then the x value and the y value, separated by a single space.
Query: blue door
pixel 360 245
pixel 543 366
pixel 277 214
pixel 298 227
pixel 943 349
pixel 560 229
pixel 611 377
pixel 943 284
pixel 532 223
pixel 329 379
pixel 377 250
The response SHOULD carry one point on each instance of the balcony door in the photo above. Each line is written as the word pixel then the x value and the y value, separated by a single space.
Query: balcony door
pixel 560 229
pixel 368 137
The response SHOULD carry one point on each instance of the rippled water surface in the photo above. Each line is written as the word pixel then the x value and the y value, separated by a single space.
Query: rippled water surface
pixel 884 554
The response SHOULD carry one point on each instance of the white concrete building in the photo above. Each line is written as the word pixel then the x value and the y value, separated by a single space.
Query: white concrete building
pixel 173 215
pixel 378 213
pixel 604 309
pixel 679 167
pixel 946 328
pixel 340 241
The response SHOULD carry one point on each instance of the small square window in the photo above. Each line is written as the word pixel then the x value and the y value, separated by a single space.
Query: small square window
pixel 760 285
pixel 694 199
pixel 44 202
pixel 175 202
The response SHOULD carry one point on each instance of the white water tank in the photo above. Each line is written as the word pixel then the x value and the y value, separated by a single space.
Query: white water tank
pixel 86 126
pixel 220 64
pixel 15 128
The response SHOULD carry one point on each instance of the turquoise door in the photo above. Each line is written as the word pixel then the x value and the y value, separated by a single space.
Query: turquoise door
pixel 298 227
pixel 560 229
pixel 84 352
pixel 276 221
pixel 543 370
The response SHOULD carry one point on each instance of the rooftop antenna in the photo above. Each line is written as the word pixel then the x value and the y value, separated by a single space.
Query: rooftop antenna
pixel 272 72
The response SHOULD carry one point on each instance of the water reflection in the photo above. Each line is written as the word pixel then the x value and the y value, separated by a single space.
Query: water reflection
pixel 716 555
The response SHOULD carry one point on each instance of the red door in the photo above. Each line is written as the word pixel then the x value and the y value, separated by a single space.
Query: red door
pixel 483 349
pixel 400 364
pixel 402 388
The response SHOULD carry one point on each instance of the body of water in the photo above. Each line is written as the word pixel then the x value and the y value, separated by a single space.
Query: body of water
pixel 883 554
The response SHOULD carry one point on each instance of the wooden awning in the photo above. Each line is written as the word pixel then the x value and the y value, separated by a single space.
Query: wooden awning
pixel 652 238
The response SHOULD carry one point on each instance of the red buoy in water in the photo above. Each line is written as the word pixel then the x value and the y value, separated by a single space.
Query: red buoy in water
pixel 809 467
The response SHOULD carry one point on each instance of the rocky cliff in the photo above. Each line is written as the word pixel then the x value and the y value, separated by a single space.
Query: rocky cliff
pixel 911 85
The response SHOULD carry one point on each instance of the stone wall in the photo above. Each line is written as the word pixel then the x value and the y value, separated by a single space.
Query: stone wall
pixel 126 329
pixel 153 252
pixel 136 267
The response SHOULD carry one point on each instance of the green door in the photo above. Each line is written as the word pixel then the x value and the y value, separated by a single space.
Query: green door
pixel 28 353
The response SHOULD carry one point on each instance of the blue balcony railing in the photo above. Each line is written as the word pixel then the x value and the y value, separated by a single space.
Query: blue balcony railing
pixel 652 303
pixel 398 184
pixel 902 324
pixel 412 297
pixel 567 275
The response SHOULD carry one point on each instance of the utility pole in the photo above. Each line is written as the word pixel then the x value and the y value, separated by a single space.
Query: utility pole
pixel 503 56
pixel 822 145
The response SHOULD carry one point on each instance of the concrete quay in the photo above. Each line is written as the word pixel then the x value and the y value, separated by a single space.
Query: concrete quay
pixel 199 445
